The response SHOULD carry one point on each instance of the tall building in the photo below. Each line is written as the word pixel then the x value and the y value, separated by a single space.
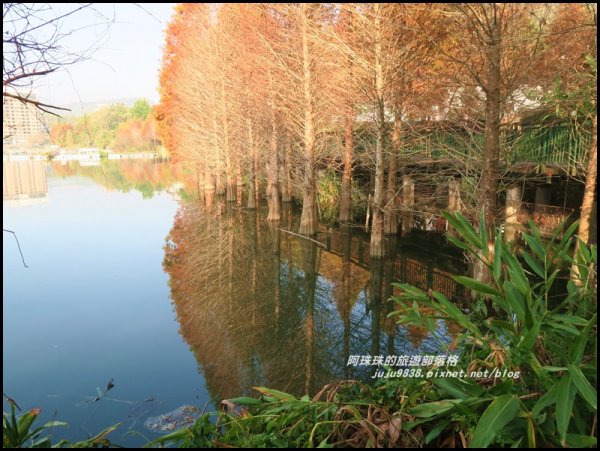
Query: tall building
pixel 20 121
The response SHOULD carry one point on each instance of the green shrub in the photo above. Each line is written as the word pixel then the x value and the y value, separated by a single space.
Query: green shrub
pixel 329 189
pixel 516 325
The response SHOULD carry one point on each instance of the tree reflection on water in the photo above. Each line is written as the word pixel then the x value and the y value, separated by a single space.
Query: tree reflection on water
pixel 262 307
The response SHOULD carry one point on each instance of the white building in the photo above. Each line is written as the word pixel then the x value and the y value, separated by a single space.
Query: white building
pixel 20 121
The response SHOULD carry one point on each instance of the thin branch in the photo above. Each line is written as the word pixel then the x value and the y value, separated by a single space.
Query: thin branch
pixel 18 245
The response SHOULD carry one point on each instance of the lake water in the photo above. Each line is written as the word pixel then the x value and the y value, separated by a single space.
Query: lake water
pixel 132 279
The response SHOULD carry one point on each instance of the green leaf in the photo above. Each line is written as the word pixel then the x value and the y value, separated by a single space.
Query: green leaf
pixel 476 285
pixel 528 341
pixel 431 409
pixel 459 387
pixel 281 396
pixel 575 320
pixel 24 423
pixel 53 424
pixel 497 266
pixel 536 246
pixel 464 228
pixel 246 401
pixel 583 386
pixel 499 413
pixel 581 441
pixel 42 443
pixel 564 405
pixel 180 434
pixel 460 244
pixel 436 430
pixel 576 353
pixel 412 293
pixel 456 314
pixel 533 265
pixel 568 234
pixel 515 300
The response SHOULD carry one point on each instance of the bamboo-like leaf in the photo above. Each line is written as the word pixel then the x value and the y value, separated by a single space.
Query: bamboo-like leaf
pixel 535 245
pixel 246 401
pixel 455 313
pixel 499 413
pixel 581 441
pixel 534 265
pixel 460 244
pixel 515 300
pixel 528 341
pixel 431 409
pixel 576 353
pixel 462 226
pixel 281 396
pixel 459 387
pixel 564 405
pixel 583 386
pixel 473 284
pixel 436 430
pixel 531 432
pixel 24 423
pixel 497 265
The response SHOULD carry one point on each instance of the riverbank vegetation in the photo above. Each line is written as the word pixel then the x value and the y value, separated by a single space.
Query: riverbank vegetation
pixel 115 127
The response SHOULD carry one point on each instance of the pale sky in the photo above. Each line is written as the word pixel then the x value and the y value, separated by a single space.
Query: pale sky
pixel 127 63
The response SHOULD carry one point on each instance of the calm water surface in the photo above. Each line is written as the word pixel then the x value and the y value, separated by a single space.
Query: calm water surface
pixel 181 303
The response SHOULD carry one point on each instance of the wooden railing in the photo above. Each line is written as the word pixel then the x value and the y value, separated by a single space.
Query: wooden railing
pixel 563 145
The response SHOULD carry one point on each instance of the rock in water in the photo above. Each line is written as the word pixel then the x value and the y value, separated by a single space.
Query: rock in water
pixel 181 417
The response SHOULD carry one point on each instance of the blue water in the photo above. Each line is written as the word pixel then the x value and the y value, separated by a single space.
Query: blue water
pixel 93 305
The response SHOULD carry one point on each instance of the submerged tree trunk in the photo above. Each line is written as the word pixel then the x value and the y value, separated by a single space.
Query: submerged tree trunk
pixel 587 205
pixel 346 194
pixel 377 249
pixel 308 220
pixel 390 224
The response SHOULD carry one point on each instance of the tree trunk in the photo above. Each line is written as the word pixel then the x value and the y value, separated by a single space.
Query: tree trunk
pixel 376 248
pixel 252 183
pixel 231 184
pixel 239 183
pixel 308 220
pixel 220 184
pixel 209 189
pixel 587 205
pixel 273 192
pixel 346 194
pixel 287 169
pixel 491 143
pixel 390 224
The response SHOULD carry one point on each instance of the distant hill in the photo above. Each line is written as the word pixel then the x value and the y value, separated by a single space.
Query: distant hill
pixel 81 108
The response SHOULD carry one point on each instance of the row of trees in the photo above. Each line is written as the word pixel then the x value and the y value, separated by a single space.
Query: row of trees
pixel 275 90
pixel 115 126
